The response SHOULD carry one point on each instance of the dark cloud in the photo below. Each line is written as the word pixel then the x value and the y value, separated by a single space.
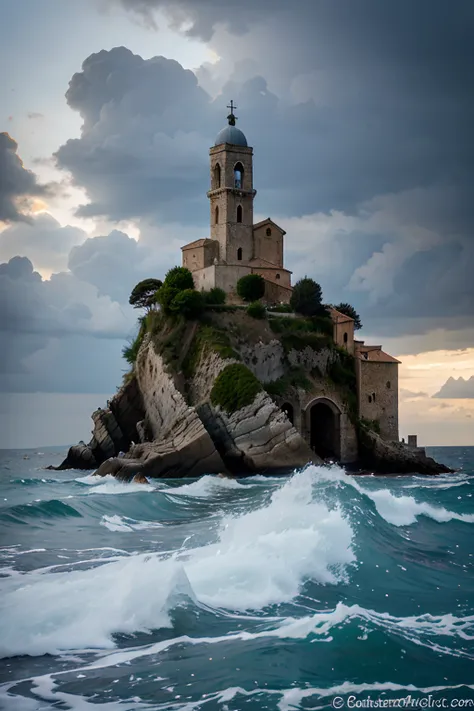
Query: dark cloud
pixel 42 240
pixel 456 388
pixel 16 183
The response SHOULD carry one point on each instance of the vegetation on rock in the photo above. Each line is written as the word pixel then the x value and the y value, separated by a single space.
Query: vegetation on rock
pixel 143 294
pixel 189 303
pixel 295 378
pixel 214 297
pixel 306 298
pixel 130 352
pixel 179 278
pixel 256 310
pixel 207 338
pixel 235 387
pixel 350 311
pixel 251 287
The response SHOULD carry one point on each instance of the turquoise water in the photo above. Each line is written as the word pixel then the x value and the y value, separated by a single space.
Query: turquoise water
pixel 282 593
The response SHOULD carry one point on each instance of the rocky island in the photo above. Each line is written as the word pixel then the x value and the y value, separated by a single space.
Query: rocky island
pixel 234 370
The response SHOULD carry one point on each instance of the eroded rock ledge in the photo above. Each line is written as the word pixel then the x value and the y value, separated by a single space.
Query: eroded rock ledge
pixel 163 423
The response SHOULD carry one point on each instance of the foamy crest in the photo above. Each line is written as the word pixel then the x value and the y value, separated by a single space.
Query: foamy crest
pixel 110 485
pixel 125 524
pixel 261 557
pixel 205 486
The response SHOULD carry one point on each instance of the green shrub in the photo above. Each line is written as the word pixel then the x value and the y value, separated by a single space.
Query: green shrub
pixel 235 387
pixel 179 278
pixel 294 378
pixel 165 297
pixel 322 324
pixel 251 287
pixel 130 352
pixel 298 341
pixel 256 310
pixel 143 294
pixel 214 297
pixel 281 309
pixel 189 303
pixel 306 297
pixel 207 338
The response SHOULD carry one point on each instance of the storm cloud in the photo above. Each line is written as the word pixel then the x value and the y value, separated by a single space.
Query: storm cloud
pixel 17 184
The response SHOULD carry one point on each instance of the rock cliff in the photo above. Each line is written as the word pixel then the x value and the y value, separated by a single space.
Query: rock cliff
pixel 231 394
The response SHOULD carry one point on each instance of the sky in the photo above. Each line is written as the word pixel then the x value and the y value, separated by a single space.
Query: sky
pixel 360 114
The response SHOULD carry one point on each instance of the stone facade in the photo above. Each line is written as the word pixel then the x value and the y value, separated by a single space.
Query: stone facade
pixel 377 385
pixel 236 246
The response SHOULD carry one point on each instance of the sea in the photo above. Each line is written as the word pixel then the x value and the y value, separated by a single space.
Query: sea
pixel 312 590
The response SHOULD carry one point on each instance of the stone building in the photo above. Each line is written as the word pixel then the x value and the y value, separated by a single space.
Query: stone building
pixel 237 246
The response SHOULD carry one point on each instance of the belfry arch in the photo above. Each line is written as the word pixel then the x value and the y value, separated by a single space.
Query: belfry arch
pixel 323 426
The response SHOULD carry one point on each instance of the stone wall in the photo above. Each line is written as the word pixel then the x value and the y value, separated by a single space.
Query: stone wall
pixel 265 360
pixel 378 395
pixel 268 247
pixel 201 256
pixel 343 334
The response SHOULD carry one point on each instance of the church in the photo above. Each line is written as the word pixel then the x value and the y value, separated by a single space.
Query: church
pixel 236 246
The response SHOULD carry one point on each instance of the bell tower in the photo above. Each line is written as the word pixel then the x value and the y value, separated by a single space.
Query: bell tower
pixel 231 195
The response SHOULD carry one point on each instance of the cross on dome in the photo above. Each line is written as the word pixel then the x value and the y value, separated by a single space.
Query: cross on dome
pixel 231 118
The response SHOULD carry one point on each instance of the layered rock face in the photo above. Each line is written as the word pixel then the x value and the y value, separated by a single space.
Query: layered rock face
pixel 164 422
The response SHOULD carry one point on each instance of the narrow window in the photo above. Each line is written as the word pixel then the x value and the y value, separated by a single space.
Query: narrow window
pixel 389 385
pixel 238 175
pixel 217 215
pixel 345 338
pixel 277 276
pixel 217 176
pixel 370 398
pixel 269 232
pixel 373 397
pixel 239 254
pixel 239 213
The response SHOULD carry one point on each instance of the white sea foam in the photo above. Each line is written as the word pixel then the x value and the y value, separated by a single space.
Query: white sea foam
pixel 110 485
pixel 124 523
pixel 205 486
pixel 261 557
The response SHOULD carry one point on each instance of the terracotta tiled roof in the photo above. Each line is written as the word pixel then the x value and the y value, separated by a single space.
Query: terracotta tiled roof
pixel 197 243
pixel 339 317
pixel 375 354
pixel 265 264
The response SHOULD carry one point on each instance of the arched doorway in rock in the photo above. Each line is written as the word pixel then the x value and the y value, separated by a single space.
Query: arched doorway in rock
pixel 289 412
pixel 324 424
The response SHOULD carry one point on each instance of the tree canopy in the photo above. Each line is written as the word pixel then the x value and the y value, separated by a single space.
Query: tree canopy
pixel 143 294
pixel 350 311
pixel 306 297
pixel 251 287
pixel 179 278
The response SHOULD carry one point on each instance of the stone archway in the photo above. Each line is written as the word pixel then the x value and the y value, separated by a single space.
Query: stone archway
pixel 323 419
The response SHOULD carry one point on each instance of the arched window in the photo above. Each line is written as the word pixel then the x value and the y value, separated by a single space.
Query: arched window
pixel 239 213
pixel 216 215
pixel 217 176
pixel 277 276
pixel 269 232
pixel 345 337
pixel 238 175
pixel 239 254
pixel 389 385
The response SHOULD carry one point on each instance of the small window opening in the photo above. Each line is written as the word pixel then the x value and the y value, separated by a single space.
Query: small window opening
pixel 269 232
pixel 216 215
pixel 389 385
pixel 217 176
pixel 239 254
pixel 277 276
pixel 373 397
pixel 345 337
pixel 238 175
pixel 370 398
pixel 239 213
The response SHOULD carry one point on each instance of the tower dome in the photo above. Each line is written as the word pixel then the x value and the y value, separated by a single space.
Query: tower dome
pixel 230 133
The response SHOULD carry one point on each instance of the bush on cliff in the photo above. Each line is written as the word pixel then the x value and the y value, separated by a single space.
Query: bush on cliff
pixel 214 297
pixel 189 303
pixel 235 387
pixel 130 352
pixel 179 278
pixel 306 297
pixel 251 287
pixel 256 310
pixel 165 297
pixel 143 294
